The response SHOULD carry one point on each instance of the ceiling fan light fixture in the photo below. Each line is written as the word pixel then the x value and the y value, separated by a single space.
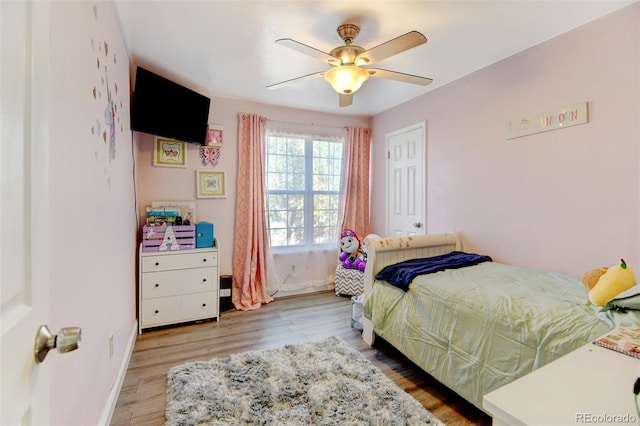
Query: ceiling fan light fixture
pixel 345 74
pixel 346 79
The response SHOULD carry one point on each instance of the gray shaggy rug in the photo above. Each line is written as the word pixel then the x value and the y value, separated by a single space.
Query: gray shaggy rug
pixel 324 382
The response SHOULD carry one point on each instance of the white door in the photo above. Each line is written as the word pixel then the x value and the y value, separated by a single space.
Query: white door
pixel 406 171
pixel 24 209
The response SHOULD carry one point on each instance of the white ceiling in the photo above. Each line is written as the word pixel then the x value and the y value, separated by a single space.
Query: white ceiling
pixel 225 48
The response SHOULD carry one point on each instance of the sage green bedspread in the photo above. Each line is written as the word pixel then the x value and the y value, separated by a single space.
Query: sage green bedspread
pixel 478 328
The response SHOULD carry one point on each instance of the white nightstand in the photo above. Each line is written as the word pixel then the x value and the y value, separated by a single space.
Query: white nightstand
pixel 591 385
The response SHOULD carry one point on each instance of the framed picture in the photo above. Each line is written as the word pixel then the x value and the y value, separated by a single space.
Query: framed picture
pixel 214 135
pixel 169 153
pixel 210 184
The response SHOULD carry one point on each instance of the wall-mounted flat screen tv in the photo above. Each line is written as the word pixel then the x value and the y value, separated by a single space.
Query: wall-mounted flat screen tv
pixel 164 108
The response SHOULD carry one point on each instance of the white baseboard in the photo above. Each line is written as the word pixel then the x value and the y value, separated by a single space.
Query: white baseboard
pixel 110 405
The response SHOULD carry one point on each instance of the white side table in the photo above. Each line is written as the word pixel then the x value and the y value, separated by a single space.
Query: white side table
pixel 591 385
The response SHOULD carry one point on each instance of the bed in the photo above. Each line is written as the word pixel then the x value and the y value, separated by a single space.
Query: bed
pixel 476 328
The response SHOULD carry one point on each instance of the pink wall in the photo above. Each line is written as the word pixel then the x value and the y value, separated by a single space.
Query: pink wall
pixel 565 200
pixel 93 216
pixel 161 183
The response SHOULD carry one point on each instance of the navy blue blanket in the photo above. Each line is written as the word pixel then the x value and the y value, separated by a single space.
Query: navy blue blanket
pixel 401 274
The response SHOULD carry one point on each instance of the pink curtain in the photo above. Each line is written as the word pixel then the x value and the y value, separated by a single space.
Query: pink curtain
pixel 356 194
pixel 250 248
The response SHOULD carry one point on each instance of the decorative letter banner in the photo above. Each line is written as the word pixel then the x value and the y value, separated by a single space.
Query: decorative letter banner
pixel 557 119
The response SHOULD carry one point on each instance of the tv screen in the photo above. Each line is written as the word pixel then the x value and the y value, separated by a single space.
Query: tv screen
pixel 164 108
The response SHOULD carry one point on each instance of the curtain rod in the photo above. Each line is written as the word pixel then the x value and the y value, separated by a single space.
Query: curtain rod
pixel 308 124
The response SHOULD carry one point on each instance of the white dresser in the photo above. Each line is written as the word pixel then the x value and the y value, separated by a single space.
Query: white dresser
pixel 178 286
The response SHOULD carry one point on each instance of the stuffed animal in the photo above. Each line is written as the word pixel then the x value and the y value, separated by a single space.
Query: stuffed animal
pixel 350 251
pixel 612 282
pixel 590 278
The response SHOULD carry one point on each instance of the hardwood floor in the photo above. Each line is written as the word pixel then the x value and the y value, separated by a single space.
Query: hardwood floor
pixel 286 320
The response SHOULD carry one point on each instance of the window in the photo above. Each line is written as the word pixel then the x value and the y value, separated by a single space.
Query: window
pixel 303 181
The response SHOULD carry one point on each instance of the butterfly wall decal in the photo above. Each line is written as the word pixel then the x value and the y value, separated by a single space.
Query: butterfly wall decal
pixel 209 155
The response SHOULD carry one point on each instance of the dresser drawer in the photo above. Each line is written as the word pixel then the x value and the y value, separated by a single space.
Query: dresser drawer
pixel 168 310
pixel 176 282
pixel 199 280
pixel 163 310
pixel 164 262
pixel 199 305
pixel 161 284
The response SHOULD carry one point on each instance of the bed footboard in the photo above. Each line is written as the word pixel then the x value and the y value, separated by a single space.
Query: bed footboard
pixel 382 252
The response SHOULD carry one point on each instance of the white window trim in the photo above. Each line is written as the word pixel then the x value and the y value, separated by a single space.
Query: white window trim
pixel 308 132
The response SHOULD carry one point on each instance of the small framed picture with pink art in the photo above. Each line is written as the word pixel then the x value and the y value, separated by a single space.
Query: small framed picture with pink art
pixel 214 135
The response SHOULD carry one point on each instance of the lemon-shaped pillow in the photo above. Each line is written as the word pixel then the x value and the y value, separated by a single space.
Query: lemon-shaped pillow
pixel 613 282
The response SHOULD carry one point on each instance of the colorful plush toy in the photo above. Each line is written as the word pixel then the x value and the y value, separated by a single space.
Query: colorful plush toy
pixel 350 251
pixel 610 282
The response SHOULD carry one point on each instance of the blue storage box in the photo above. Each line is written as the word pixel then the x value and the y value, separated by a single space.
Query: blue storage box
pixel 204 234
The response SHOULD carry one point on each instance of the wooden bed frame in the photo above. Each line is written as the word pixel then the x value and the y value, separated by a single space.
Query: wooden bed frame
pixel 387 251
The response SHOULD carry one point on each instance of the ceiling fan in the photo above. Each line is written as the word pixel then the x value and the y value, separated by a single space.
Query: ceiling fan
pixel 347 72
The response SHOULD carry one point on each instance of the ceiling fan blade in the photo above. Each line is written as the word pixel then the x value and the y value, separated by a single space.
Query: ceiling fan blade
pixel 399 76
pixel 307 50
pixel 295 80
pixel 345 100
pixel 393 47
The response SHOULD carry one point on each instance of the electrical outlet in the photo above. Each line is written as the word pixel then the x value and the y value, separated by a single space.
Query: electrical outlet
pixel 111 346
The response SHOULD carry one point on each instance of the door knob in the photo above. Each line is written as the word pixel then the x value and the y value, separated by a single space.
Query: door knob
pixel 67 340
pixel 417 225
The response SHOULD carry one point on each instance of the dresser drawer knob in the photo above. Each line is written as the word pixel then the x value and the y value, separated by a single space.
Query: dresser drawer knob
pixel 157 263
pixel 157 285
pixel 204 260
pixel 204 305
pixel 156 311
pixel 204 280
